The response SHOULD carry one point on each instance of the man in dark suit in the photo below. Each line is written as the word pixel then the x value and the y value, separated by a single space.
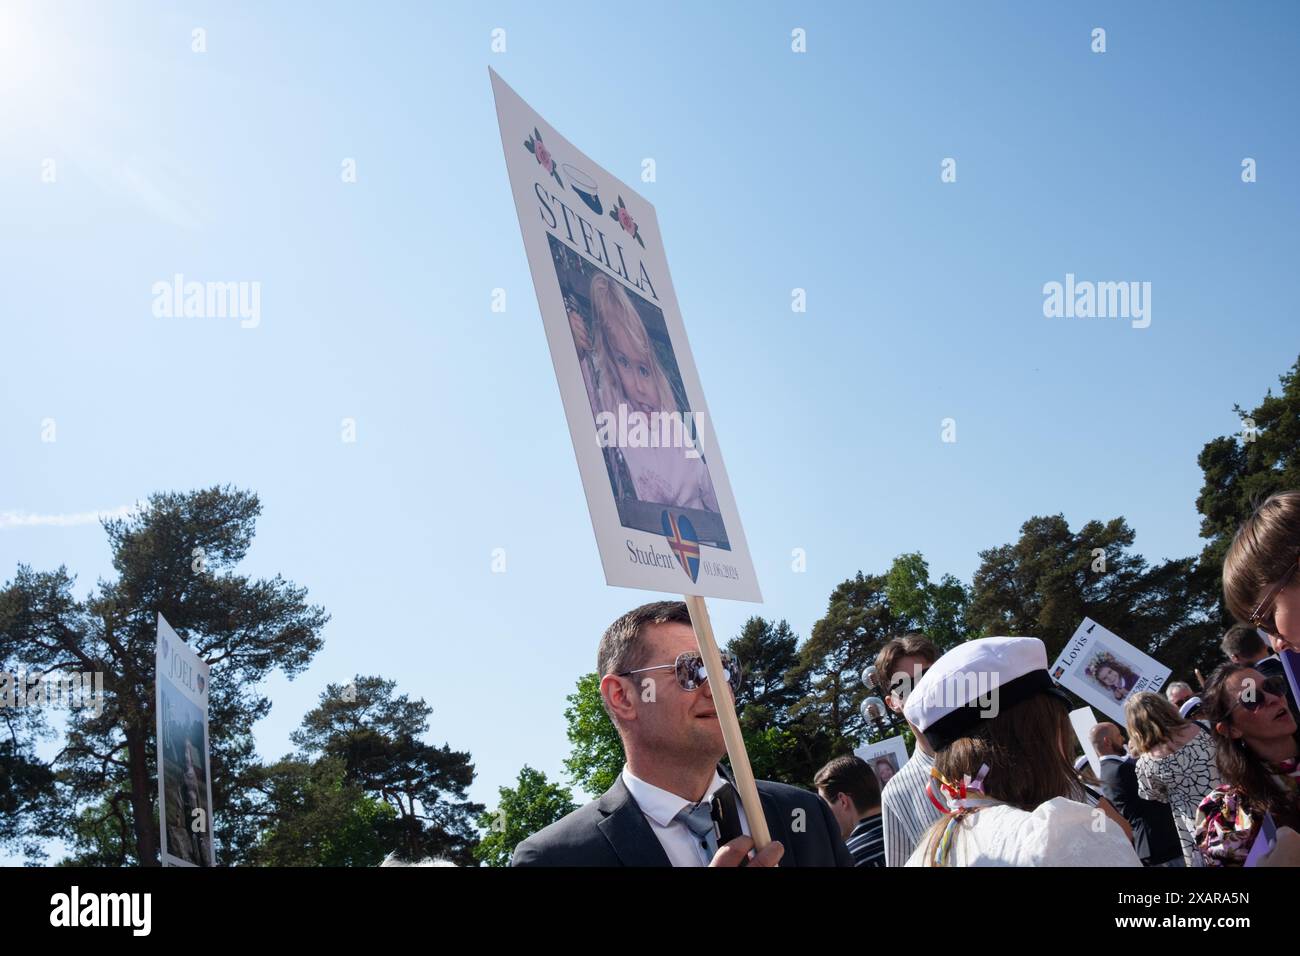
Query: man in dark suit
pixel 658 812
pixel 1155 838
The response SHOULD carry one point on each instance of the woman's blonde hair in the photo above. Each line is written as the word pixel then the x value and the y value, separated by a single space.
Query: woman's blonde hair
pixel 1262 552
pixel 1151 720
pixel 610 305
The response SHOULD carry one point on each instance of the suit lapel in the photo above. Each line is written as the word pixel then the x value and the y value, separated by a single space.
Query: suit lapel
pixel 776 830
pixel 627 831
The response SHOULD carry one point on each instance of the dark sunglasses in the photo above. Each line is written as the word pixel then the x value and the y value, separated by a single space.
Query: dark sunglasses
pixel 690 672
pixel 1252 700
pixel 1262 616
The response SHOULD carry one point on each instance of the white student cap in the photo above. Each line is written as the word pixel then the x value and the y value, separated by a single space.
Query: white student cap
pixel 978 680
pixel 1189 705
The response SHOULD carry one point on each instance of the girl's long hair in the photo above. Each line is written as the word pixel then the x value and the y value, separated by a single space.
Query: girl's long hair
pixel 1239 766
pixel 610 305
pixel 1025 748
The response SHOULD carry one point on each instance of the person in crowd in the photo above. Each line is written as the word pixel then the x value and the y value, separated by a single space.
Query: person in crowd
pixel 852 792
pixel 1001 735
pixel 1260 584
pixel 1243 645
pixel 906 810
pixel 660 810
pixel 1154 835
pixel 1175 762
pixel 1179 692
pixel 1257 756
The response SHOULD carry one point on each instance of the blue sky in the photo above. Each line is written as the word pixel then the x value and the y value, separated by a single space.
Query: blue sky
pixel 775 170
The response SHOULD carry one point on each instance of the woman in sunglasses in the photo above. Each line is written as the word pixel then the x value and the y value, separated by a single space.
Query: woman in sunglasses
pixel 1257 758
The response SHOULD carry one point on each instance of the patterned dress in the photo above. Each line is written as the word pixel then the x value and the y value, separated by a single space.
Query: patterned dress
pixel 1181 779
pixel 1226 827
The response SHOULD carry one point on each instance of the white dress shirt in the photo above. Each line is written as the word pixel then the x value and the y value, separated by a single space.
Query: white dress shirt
pixel 659 807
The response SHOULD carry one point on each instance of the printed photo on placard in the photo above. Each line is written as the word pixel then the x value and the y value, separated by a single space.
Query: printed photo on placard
pixel 1106 670
pixel 884 757
pixel 657 490
pixel 184 768
pixel 631 376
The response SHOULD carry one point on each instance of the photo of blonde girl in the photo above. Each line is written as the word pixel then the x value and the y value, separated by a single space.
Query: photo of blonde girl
pixel 621 366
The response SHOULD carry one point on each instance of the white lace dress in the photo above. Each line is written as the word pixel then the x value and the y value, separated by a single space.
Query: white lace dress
pixel 1060 832
pixel 1181 779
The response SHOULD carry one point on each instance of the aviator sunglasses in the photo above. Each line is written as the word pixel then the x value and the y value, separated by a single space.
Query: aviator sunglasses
pixel 690 672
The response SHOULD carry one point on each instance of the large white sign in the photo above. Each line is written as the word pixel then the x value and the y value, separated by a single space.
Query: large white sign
pixel 651 467
pixel 184 770
pixel 1083 720
pixel 1105 670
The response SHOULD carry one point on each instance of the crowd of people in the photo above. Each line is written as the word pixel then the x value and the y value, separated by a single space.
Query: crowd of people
pixel 1206 776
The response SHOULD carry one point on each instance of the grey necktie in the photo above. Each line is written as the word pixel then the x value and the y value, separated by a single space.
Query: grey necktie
pixel 699 820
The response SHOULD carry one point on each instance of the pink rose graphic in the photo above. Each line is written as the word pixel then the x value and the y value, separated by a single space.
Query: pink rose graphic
pixel 543 155
pixel 624 218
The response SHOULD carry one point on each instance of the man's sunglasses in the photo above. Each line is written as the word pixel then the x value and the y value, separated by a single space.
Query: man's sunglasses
pixel 1252 699
pixel 1262 616
pixel 690 672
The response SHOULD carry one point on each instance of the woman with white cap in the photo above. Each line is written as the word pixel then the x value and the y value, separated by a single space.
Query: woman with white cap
pixel 1001 733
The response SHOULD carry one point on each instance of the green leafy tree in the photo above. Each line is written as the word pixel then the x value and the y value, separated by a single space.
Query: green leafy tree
pixel 935 608
pixel 533 803
pixel 376 734
pixel 857 623
pixel 314 816
pixel 1243 469
pixel 1047 581
pixel 768 653
pixel 175 556
pixel 773 684
pixel 101 835
pixel 596 758
pixel 28 794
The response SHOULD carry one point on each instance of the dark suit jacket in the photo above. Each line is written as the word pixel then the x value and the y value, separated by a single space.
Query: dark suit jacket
pixel 1154 836
pixel 612 831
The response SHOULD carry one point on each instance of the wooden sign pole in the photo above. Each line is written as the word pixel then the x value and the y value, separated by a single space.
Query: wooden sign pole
pixel 726 708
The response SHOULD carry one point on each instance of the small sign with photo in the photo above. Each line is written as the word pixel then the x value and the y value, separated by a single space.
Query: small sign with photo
pixel 1105 670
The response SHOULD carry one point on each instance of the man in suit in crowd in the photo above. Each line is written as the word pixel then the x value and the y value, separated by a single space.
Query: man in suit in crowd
pixel 1179 692
pixel 1154 836
pixel 659 812
pixel 850 788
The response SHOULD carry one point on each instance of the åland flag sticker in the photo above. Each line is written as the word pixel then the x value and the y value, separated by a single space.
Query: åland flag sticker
pixel 685 543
